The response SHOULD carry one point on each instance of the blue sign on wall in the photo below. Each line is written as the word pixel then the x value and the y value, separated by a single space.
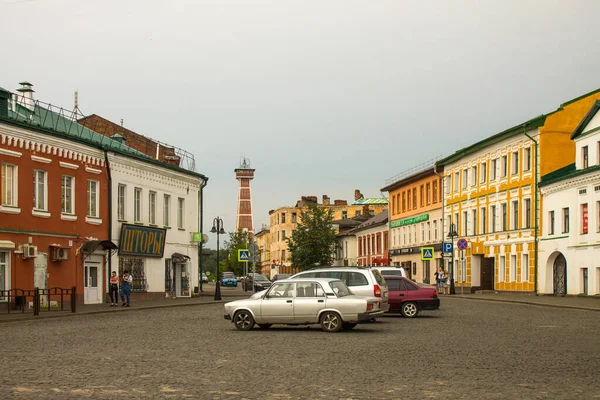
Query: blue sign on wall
pixel 142 241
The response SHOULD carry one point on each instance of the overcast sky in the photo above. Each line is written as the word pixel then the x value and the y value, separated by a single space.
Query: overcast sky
pixel 323 97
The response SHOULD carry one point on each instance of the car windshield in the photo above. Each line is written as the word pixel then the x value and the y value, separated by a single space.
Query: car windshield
pixel 340 289
pixel 260 278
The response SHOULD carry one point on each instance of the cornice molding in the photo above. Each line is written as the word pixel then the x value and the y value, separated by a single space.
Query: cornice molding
pixel 576 182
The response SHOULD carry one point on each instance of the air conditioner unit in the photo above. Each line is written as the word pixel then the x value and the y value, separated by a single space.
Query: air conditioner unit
pixel 59 254
pixel 29 251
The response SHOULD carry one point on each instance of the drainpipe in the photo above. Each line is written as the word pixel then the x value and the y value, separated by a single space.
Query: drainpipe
pixel 536 212
pixel 110 200
pixel 200 224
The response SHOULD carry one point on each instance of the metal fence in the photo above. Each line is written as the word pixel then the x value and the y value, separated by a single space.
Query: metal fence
pixel 36 300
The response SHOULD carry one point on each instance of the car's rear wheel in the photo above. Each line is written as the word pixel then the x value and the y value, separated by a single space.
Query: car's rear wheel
pixel 331 321
pixel 348 325
pixel 243 320
pixel 409 310
pixel 265 326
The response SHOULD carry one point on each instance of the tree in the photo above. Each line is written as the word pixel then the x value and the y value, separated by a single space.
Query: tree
pixel 237 240
pixel 314 240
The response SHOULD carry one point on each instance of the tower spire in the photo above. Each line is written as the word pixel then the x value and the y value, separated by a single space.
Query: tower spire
pixel 244 174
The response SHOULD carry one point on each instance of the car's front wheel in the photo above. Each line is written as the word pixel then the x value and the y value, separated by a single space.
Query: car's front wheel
pixel 243 320
pixel 348 325
pixel 331 322
pixel 409 310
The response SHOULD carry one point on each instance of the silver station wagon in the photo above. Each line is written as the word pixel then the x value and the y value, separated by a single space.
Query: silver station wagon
pixel 323 301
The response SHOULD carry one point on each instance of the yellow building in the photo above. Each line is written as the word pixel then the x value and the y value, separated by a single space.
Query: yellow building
pixel 263 241
pixel 283 221
pixel 492 201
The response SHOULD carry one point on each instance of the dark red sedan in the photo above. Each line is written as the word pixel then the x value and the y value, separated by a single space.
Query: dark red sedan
pixel 409 298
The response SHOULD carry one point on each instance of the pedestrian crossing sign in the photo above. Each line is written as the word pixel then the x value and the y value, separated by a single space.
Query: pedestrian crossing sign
pixel 243 255
pixel 427 253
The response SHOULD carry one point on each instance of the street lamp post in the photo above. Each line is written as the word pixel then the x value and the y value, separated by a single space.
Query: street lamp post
pixel 218 229
pixel 451 235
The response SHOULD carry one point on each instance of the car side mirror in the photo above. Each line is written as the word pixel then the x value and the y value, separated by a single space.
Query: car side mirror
pixel 330 295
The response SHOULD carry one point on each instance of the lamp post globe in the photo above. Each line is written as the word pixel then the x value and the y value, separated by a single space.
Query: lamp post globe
pixel 218 229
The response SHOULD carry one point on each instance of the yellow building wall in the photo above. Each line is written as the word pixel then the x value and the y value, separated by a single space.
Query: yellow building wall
pixel 395 198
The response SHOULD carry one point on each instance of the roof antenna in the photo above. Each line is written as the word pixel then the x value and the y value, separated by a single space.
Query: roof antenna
pixel 76 109
pixel 121 122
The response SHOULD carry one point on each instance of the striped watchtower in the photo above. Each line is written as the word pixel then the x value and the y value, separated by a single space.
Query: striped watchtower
pixel 244 174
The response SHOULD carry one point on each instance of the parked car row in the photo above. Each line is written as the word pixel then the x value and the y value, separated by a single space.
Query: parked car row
pixel 335 298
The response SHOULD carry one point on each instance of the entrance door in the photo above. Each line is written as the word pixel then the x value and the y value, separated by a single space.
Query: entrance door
pixel 487 273
pixel 560 276
pixel 4 274
pixel 40 274
pixel 182 280
pixel 91 284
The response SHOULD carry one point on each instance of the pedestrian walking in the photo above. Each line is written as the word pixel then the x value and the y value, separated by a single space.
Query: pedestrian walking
pixel 438 279
pixel 114 289
pixel 445 282
pixel 126 288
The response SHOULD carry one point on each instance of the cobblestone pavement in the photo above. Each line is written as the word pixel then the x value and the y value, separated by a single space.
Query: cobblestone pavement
pixel 468 349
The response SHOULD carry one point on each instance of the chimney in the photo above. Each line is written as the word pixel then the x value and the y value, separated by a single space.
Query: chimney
pixel 26 98
pixel 4 96
pixel 340 203
pixel 326 200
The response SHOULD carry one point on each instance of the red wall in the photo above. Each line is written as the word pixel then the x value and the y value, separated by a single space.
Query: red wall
pixel 43 232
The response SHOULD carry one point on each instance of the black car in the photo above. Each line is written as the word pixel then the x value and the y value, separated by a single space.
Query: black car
pixel 279 277
pixel 260 282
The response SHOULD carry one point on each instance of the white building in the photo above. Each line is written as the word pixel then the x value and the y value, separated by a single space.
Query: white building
pixel 155 213
pixel 569 247
pixel 347 250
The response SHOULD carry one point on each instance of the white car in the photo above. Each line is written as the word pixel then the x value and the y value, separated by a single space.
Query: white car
pixel 393 271
pixel 323 301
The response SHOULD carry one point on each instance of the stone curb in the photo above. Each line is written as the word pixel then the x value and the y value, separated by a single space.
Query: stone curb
pixel 532 303
pixel 114 310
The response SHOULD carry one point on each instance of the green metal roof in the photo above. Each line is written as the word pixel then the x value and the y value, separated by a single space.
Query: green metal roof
pixel 45 118
pixel 585 121
pixel 515 130
pixel 370 201
pixel 567 172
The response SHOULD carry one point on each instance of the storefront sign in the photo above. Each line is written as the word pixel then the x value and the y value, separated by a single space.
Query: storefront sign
pixel 142 241
pixel 409 221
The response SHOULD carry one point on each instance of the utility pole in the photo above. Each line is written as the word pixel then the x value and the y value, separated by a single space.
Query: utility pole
pixel 253 254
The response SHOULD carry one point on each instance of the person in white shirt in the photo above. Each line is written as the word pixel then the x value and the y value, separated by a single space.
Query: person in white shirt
pixel 126 288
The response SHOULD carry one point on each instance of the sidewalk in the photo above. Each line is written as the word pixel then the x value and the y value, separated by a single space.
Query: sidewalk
pixel 590 303
pixel 206 297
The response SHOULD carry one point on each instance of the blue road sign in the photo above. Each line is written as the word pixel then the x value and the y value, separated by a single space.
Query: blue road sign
pixel 447 247
pixel 462 244
pixel 243 255
pixel 427 253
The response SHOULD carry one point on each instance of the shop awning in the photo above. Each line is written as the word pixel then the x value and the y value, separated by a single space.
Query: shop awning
pixel 92 245
pixel 178 257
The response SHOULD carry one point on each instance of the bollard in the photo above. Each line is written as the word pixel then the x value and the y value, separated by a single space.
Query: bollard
pixel 36 301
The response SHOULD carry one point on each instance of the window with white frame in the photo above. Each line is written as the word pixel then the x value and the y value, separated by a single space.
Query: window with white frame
pixel 167 210
pixel 474 221
pixel 474 175
pixel 121 204
pixel 525 268
pixel 448 184
pixel 585 157
pixel 551 223
pixel 428 231
pixel 465 227
pixel 493 169
pixel 483 172
pixel 513 268
pixel 40 192
pixel 9 185
pixel 415 233
pixel 515 163
pixel 435 230
pixel 527 212
pixel 483 213
pixel 584 218
pixel 598 216
pixel 493 217
pixel 93 199
pixel 422 232
pixel 180 212
pixel 465 181
pixel 457 222
pixel 67 194
pixel 404 235
pixel 503 166
pixel 152 208
pixel 502 269
pixel 504 216
pixel 515 212
pixel 527 159
pixel 565 218
pixel 137 204
pixel 456 181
